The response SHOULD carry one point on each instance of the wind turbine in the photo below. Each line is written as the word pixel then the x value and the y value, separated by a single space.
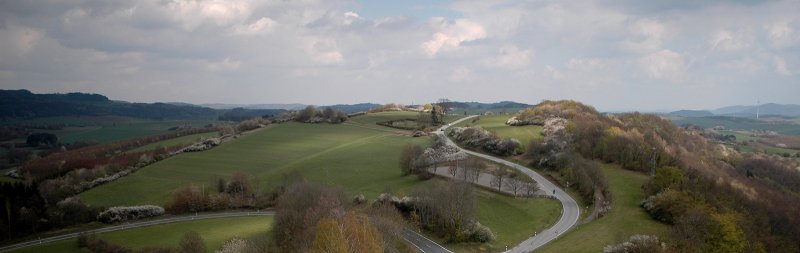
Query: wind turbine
pixel 758 107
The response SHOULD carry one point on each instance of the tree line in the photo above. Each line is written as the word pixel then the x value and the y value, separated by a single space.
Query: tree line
pixel 717 199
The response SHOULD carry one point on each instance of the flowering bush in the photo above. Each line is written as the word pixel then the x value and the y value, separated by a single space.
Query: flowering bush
pixel 125 213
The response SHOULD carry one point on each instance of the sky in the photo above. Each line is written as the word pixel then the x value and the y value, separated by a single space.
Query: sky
pixel 614 55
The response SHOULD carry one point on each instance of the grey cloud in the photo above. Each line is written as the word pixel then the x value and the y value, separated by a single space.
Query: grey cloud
pixel 648 55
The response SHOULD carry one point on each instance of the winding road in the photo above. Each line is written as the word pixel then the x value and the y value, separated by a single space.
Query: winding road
pixel 570 211
pixel 569 215
pixel 424 245
pixel 134 225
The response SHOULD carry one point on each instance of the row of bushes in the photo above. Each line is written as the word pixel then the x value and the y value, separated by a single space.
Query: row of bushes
pixel 60 163
pixel 482 138
pixel 127 213
pixel 391 124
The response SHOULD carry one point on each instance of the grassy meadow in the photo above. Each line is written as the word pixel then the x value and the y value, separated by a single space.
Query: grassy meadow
pixel 788 127
pixel 497 124
pixel 511 220
pixel 213 231
pixel 359 156
pixel 625 219
pixel 105 129
pixel 182 141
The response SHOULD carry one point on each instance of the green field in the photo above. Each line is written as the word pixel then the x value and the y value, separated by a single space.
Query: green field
pixel 625 219
pixel 497 124
pixel 107 128
pixel 511 220
pixel 214 232
pixel 479 111
pixel 735 123
pixel 182 141
pixel 359 156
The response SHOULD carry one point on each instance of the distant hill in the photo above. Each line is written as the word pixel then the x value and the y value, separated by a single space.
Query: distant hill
pixel 288 107
pixel 787 110
pixel 485 106
pixel 239 114
pixel 362 107
pixel 692 113
pixel 25 104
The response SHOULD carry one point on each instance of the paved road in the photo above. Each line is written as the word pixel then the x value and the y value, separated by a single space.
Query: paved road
pixel 570 210
pixel 135 225
pixel 485 180
pixel 425 245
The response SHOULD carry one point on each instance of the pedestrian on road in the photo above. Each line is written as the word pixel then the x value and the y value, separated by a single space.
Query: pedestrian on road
pixel 554 191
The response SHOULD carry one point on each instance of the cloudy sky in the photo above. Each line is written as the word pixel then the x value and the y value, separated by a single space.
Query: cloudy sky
pixel 616 55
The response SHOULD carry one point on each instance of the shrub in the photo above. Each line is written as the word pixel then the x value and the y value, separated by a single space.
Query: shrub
pixel 667 205
pixel 481 233
pixel 637 244
pixel 192 243
pixel 234 245
pixel 479 137
pixel 125 213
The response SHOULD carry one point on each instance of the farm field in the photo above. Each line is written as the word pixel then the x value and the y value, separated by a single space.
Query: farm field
pixel 360 157
pixel 213 231
pixel 106 129
pixel 182 141
pixel 497 124
pixel 786 127
pixel 625 219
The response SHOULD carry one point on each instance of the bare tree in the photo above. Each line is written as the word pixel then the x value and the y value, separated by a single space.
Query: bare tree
pixel 470 175
pixel 497 181
pixel 409 154
pixel 513 185
pixel 452 168
pixel 476 166
pixel 530 188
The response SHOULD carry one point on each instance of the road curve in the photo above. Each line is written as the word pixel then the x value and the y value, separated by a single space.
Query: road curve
pixel 570 211
pixel 425 245
pixel 135 225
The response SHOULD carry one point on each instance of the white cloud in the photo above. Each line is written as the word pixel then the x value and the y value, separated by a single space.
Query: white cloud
pixel 562 49
pixel 748 64
pixel 262 25
pixel 511 57
pixel 553 73
pixel 648 35
pixel 323 50
pixel 223 65
pixel 460 74
pixel 780 66
pixel 724 40
pixel 19 40
pixel 584 64
pixel 664 64
pixel 194 13
pixel 781 35
pixel 350 17
pixel 451 34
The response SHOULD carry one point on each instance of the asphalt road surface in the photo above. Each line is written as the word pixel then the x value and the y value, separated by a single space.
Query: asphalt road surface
pixel 425 245
pixel 134 225
pixel 570 211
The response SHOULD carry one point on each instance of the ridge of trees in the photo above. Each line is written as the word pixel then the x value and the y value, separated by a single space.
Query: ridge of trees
pixel 25 104
pixel 718 199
